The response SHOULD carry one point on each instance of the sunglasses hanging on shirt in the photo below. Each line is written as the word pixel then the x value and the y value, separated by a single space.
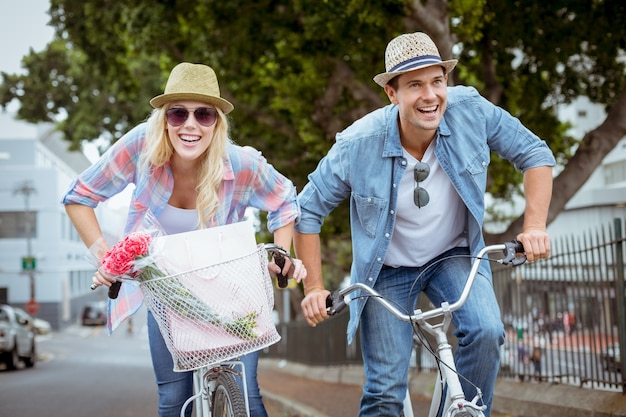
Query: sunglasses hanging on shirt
pixel 420 195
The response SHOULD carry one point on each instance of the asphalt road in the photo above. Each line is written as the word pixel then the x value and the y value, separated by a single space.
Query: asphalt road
pixel 84 372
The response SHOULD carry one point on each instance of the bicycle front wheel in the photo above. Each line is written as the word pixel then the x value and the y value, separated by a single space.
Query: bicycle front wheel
pixel 228 400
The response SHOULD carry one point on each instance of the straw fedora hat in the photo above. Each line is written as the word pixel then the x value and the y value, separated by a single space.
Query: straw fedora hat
pixel 410 52
pixel 195 82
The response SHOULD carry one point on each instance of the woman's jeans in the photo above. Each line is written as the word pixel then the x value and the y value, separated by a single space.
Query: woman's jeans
pixel 174 388
pixel 387 342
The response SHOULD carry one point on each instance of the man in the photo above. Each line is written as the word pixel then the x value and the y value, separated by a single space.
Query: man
pixel 415 172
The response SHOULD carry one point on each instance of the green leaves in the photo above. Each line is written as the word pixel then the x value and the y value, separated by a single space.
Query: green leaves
pixel 299 71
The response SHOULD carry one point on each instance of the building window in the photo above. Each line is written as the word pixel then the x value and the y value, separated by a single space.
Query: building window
pixel 615 173
pixel 18 224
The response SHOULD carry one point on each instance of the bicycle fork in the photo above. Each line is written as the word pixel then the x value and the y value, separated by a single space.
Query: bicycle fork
pixel 204 386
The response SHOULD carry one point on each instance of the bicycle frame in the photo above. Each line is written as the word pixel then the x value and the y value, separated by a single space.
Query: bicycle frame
pixel 455 404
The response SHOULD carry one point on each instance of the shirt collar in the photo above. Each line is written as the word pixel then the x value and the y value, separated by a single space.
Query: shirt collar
pixel 393 147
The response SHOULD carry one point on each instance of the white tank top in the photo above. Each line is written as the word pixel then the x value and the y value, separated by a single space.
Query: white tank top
pixel 421 234
pixel 176 220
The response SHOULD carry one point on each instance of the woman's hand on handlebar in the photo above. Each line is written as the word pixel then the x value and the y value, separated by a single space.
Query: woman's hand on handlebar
pixel 314 306
pixel 102 278
pixel 292 268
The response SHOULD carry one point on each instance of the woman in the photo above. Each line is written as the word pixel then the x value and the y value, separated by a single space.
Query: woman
pixel 188 174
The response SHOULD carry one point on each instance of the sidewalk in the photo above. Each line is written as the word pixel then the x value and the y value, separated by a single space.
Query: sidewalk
pixel 303 391
pixel 296 390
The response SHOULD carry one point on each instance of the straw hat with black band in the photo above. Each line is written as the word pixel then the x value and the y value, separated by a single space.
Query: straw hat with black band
pixel 195 82
pixel 410 52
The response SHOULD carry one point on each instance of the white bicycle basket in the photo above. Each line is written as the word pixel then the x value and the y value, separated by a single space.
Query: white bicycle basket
pixel 216 312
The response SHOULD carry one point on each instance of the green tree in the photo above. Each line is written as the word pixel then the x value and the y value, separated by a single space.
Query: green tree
pixel 298 71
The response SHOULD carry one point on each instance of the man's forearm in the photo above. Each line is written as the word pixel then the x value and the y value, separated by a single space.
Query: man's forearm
pixel 308 250
pixel 538 193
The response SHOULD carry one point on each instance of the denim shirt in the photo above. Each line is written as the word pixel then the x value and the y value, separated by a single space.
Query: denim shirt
pixel 366 164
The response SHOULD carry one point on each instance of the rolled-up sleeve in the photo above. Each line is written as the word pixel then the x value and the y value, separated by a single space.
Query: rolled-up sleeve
pixel 110 175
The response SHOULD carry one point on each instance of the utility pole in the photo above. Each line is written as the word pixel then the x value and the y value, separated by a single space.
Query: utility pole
pixel 29 261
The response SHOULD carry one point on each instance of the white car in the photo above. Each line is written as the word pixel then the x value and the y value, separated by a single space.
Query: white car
pixel 17 337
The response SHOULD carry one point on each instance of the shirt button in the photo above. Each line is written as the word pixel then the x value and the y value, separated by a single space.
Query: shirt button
pixel 390 211
pixel 387 235
pixel 394 185
pixel 370 279
pixel 378 259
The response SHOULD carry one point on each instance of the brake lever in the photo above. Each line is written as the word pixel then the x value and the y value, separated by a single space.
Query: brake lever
pixel 511 250
pixel 335 303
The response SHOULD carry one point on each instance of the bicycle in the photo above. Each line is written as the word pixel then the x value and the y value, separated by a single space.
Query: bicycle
pixel 448 387
pixel 216 391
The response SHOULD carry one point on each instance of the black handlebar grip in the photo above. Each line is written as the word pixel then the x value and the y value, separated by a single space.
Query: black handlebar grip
pixel 283 280
pixel 335 303
pixel 114 289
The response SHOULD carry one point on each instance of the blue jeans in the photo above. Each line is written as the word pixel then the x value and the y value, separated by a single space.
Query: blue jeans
pixel 174 388
pixel 387 342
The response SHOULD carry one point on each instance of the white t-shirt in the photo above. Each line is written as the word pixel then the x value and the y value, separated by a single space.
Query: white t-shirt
pixel 176 220
pixel 421 234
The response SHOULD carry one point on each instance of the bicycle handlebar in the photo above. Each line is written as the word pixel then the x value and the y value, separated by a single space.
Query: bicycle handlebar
pixel 276 251
pixel 337 300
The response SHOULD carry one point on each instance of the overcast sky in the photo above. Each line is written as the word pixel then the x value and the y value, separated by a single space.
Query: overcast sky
pixel 24 25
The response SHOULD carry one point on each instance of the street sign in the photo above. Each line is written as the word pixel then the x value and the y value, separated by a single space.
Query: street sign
pixel 32 307
pixel 29 263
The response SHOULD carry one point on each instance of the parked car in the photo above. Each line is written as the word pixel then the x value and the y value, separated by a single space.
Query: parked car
pixel 94 314
pixel 611 359
pixel 42 327
pixel 17 337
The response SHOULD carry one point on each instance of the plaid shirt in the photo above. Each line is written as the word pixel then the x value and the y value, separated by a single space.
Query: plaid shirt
pixel 248 181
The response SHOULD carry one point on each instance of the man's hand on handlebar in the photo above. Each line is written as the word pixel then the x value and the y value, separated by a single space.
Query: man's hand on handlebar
pixel 536 244
pixel 314 306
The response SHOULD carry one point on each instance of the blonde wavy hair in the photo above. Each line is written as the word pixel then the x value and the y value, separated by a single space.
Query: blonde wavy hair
pixel 159 150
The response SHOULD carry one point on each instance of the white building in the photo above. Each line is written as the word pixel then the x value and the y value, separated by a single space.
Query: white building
pixel 36 170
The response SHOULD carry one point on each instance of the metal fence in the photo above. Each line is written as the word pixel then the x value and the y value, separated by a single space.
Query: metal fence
pixel 565 319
